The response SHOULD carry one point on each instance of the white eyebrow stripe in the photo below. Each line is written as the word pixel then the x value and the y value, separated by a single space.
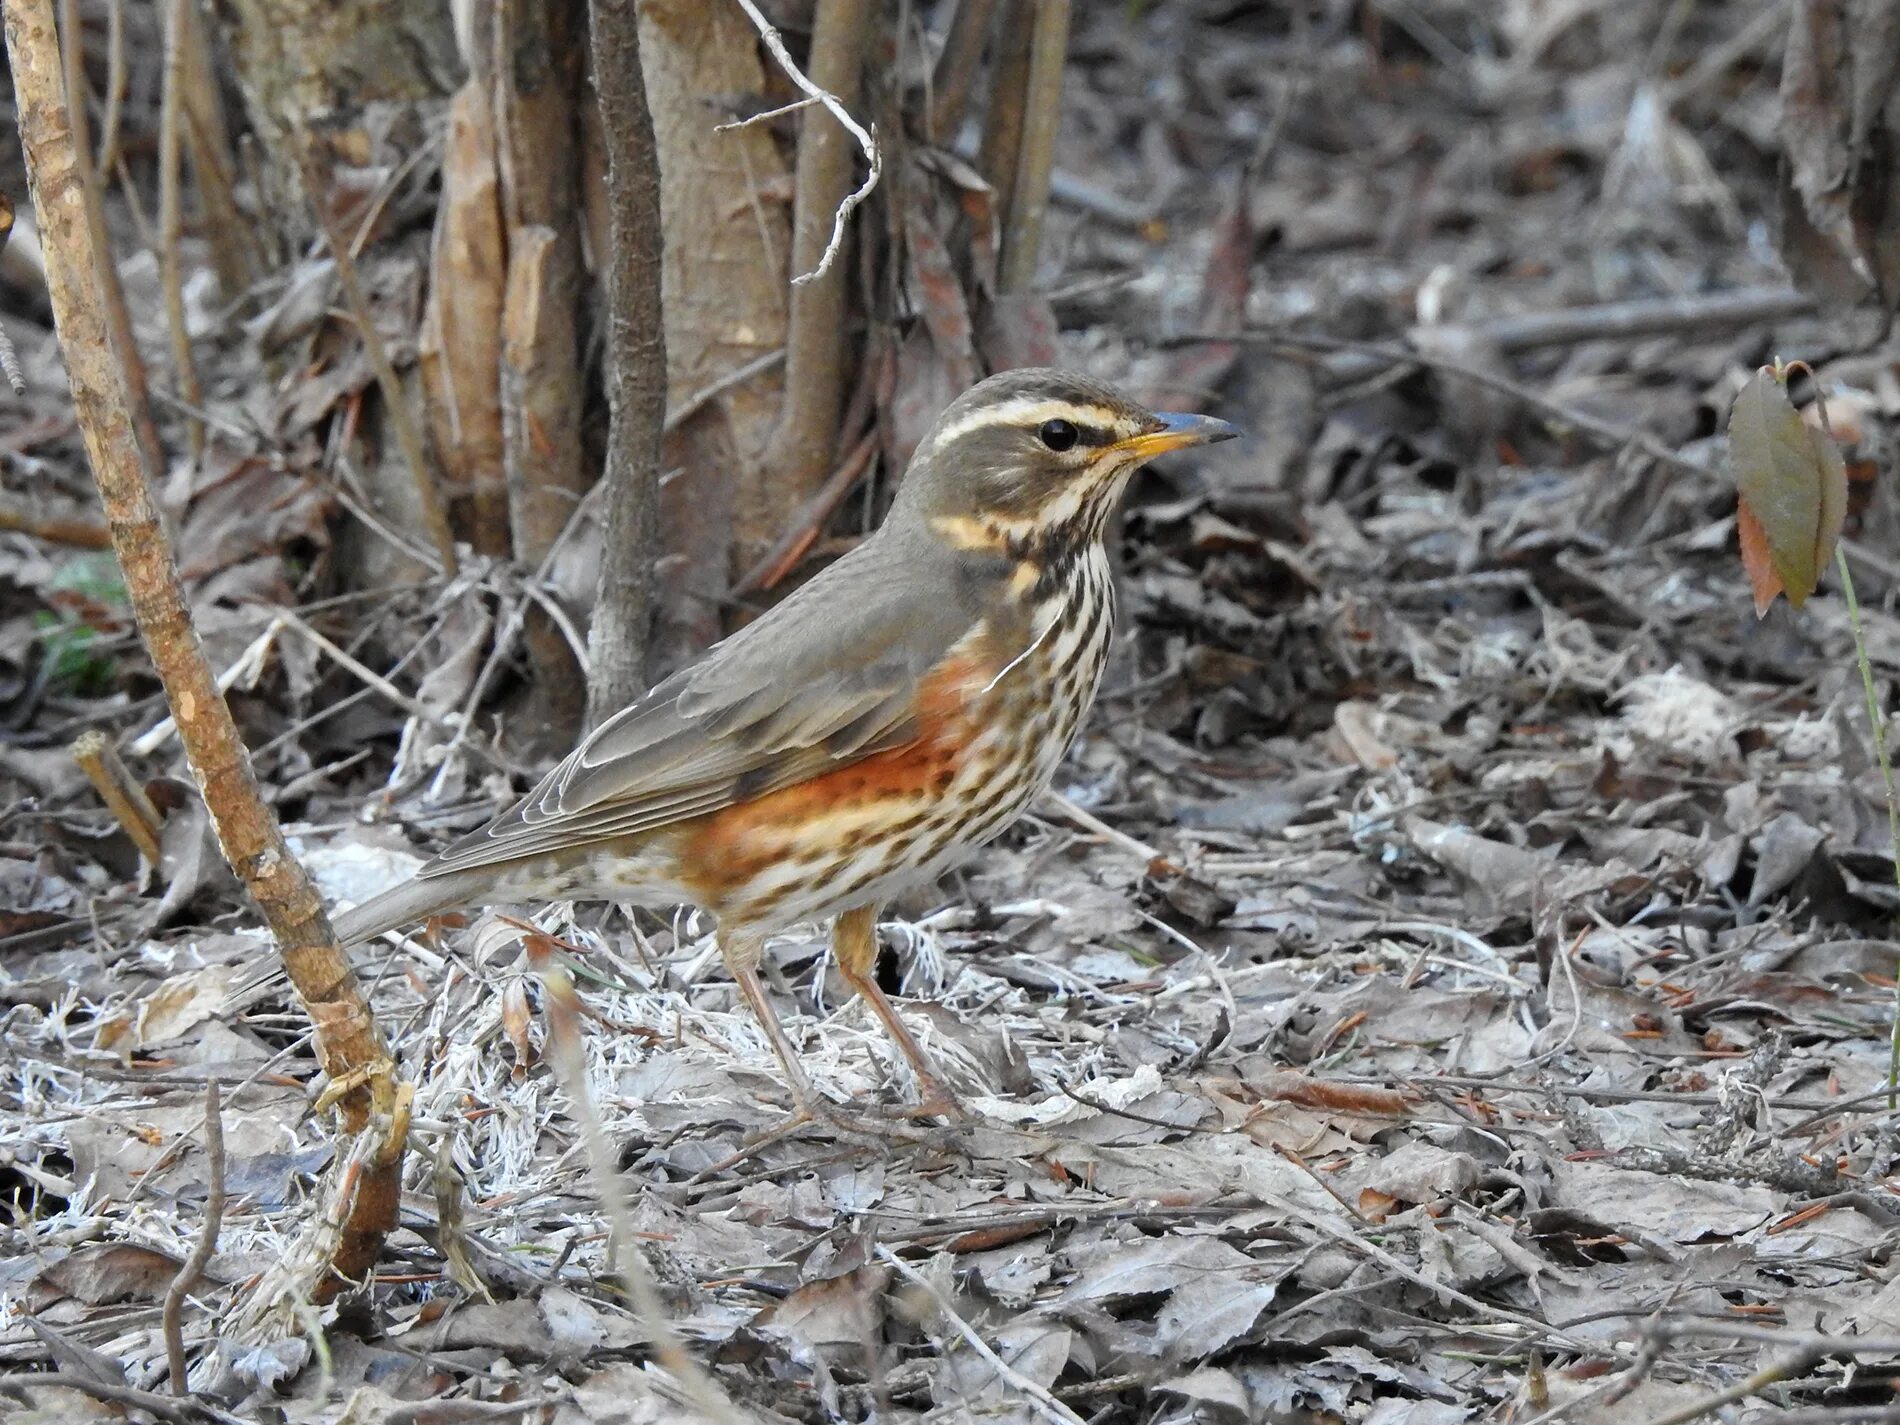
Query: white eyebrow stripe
pixel 1029 410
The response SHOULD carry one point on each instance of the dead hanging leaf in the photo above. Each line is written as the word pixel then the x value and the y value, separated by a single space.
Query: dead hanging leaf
pixel 1792 487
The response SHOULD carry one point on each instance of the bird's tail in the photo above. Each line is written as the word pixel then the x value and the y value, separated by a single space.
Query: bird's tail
pixel 413 900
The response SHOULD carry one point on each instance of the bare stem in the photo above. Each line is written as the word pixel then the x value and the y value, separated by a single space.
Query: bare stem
pixel 171 220
pixel 1878 724
pixel 207 1243
pixel 955 73
pixel 120 791
pixel 805 442
pixel 348 1042
pixel 569 1057
pixel 106 275
pixel 1042 117
pixel 636 365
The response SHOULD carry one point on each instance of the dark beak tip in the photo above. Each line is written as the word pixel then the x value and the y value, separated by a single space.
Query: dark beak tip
pixel 1205 430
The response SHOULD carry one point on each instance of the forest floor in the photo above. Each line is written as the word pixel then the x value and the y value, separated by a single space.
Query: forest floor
pixel 1479 1011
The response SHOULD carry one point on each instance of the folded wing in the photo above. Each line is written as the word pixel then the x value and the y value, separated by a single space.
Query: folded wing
pixel 826 678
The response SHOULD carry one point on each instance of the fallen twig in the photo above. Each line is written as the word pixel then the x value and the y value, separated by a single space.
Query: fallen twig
pixel 120 791
pixel 1608 321
pixel 1045 1403
pixel 21 1387
pixel 783 556
pixel 1605 433
pixel 207 1243
pixel 78 529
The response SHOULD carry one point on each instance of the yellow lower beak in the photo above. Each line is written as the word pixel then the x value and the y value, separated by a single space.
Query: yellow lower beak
pixel 1176 432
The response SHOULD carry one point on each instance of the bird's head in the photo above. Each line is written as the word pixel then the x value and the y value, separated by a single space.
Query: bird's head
pixel 1035 454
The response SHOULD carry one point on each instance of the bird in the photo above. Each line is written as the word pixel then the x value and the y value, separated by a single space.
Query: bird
pixel 898 711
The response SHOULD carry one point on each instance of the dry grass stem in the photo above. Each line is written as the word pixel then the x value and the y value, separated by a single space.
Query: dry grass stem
pixel 193 1270
pixel 171 220
pixel 1043 1402
pixel 570 1063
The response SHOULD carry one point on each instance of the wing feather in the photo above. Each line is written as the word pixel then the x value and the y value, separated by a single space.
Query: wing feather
pixel 826 678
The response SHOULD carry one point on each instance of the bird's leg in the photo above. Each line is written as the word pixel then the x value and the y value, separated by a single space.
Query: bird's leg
pixel 854 941
pixel 742 960
pixel 745 974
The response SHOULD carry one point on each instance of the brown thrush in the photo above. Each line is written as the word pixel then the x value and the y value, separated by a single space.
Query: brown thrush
pixel 894 714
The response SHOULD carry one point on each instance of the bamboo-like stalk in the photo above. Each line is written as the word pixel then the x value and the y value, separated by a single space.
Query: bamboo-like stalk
pixel 1036 160
pixel 460 347
pixel 171 224
pixel 348 1043
pixel 108 158
pixel 636 365
pixel 541 449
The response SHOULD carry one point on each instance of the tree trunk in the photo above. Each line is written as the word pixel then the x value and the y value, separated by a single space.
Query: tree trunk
pixel 343 75
pixel 724 277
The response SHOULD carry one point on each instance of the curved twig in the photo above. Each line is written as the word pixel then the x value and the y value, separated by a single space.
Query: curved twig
pixel 865 137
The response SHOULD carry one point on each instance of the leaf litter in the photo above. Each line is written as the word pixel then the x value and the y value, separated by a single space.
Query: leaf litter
pixel 1512 970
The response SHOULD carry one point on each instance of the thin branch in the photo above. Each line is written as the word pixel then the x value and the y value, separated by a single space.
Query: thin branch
pixel 78 528
pixel 865 138
pixel 1045 1403
pixel 807 521
pixel 955 74
pixel 636 365
pixel 106 271
pixel 188 1275
pixel 348 1042
pixel 171 220
pixel 570 1064
pixel 108 158
pixel 767 116
pixel 1877 726
pixel 1790 1367
pixel 1042 117
pixel 22 1386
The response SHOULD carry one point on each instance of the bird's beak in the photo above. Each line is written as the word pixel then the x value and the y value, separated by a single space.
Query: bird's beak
pixel 1175 431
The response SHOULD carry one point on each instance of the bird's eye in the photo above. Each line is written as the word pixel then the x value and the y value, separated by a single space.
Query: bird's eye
pixel 1058 435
